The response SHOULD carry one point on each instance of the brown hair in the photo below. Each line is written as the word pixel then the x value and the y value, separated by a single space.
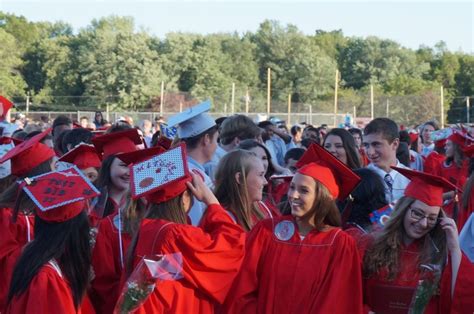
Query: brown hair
pixel 349 145
pixel 384 253
pixel 171 210
pixel 229 192
pixel 324 208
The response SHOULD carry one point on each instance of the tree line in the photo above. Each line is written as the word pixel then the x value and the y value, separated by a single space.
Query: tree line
pixel 110 62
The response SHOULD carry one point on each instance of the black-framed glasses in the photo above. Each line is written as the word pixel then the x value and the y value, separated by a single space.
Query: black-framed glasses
pixel 418 215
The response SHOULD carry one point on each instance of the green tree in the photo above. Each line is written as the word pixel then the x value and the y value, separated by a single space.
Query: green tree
pixel 11 82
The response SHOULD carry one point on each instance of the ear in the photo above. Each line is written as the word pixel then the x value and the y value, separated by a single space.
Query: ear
pixel 395 144
pixel 186 201
pixel 237 177
pixel 236 141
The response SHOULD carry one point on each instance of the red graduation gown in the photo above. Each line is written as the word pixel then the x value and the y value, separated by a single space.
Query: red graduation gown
pixel 47 293
pixel 281 273
pixel 457 176
pixel 107 265
pixel 13 237
pixel 211 255
pixel 410 274
pixel 432 162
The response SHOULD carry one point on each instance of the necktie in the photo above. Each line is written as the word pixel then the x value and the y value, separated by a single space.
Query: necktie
pixel 389 181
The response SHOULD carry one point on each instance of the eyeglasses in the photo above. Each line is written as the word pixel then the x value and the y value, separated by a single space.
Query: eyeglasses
pixel 417 215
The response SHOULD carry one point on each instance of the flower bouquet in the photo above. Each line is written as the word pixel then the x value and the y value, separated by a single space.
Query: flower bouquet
pixel 426 289
pixel 145 276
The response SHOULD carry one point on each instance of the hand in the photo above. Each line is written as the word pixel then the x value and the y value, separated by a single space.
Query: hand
pixel 452 239
pixel 201 191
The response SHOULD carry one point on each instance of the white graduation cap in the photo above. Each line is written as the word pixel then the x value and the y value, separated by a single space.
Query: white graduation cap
pixel 193 121
pixel 466 238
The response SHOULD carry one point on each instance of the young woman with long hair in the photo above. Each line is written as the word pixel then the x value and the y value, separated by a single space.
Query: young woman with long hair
pixel 52 273
pixel 16 220
pixel 211 253
pixel 418 237
pixel 341 144
pixel 240 179
pixel 455 170
pixel 303 262
pixel 121 216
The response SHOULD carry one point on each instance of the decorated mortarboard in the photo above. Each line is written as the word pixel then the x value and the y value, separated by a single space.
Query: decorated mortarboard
pixel 161 177
pixel 140 155
pixel 28 154
pixel 5 105
pixel 425 187
pixel 83 156
pixel 193 121
pixel 322 166
pixel 59 195
pixel 117 142
pixel 442 134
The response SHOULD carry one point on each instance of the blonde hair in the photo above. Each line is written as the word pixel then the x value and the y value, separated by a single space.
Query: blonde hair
pixel 385 252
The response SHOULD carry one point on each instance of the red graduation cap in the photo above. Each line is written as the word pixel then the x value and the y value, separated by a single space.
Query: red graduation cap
pixel 413 136
pixel 140 155
pixel 426 187
pixel 161 177
pixel 59 195
pixel 440 143
pixel 83 156
pixel 5 105
pixel 460 139
pixel 28 155
pixel 117 142
pixel 5 140
pixel 322 166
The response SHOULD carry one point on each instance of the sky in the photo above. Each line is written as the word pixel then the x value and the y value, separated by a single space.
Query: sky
pixel 410 23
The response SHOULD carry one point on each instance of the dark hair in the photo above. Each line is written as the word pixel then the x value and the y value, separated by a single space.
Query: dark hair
pixel 193 142
pixel 104 180
pixel 404 136
pixel 348 142
pixel 384 126
pixel 19 134
pixel 239 126
pixel 154 138
pixel 12 197
pixel 355 131
pixel 75 137
pixel 264 124
pixel 61 120
pixel 315 130
pixel 368 196
pixel 295 129
pixel 249 144
pixel 458 156
pixel 219 121
pixel 403 154
pixel 58 142
pixel 67 243
pixel 118 127
pixel 307 142
pixel 294 153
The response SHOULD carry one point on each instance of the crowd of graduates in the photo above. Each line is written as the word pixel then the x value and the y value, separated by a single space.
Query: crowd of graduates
pixel 264 218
